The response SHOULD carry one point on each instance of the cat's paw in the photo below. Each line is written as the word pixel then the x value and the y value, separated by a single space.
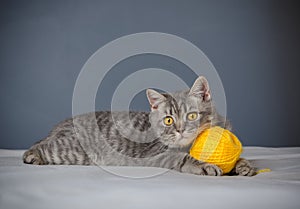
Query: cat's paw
pixel 244 168
pixel 212 170
pixel 32 157
pixel 193 166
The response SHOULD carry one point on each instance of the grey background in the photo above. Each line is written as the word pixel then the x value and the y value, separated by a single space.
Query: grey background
pixel 254 46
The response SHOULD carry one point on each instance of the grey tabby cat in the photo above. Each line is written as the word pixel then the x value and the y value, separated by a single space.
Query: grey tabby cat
pixel 160 138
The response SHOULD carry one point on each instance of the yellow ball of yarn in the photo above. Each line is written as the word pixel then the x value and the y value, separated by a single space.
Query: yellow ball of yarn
pixel 217 146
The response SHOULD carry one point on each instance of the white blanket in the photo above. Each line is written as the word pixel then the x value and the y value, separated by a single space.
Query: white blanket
pixel 28 186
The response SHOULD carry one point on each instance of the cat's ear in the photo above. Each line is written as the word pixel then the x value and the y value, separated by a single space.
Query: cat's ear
pixel 200 89
pixel 154 98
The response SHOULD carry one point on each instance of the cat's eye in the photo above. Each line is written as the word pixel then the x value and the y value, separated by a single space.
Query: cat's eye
pixel 192 116
pixel 168 120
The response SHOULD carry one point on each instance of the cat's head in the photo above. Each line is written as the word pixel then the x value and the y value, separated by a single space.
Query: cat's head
pixel 179 117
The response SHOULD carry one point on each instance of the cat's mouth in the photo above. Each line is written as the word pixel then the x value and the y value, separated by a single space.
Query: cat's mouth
pixel 182 140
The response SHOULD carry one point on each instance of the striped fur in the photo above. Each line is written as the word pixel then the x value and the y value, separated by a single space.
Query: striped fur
pixel 135 138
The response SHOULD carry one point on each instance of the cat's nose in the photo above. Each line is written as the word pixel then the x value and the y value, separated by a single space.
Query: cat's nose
pixel 180 130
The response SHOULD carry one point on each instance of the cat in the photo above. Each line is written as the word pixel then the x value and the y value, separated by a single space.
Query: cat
pixel 160 138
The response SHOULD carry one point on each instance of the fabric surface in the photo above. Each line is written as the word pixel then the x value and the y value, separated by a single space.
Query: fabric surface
pixel 29 186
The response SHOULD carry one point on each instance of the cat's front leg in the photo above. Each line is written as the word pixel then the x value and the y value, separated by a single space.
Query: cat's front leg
pixel 190 165
pixel 243 168
pixel 182 162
